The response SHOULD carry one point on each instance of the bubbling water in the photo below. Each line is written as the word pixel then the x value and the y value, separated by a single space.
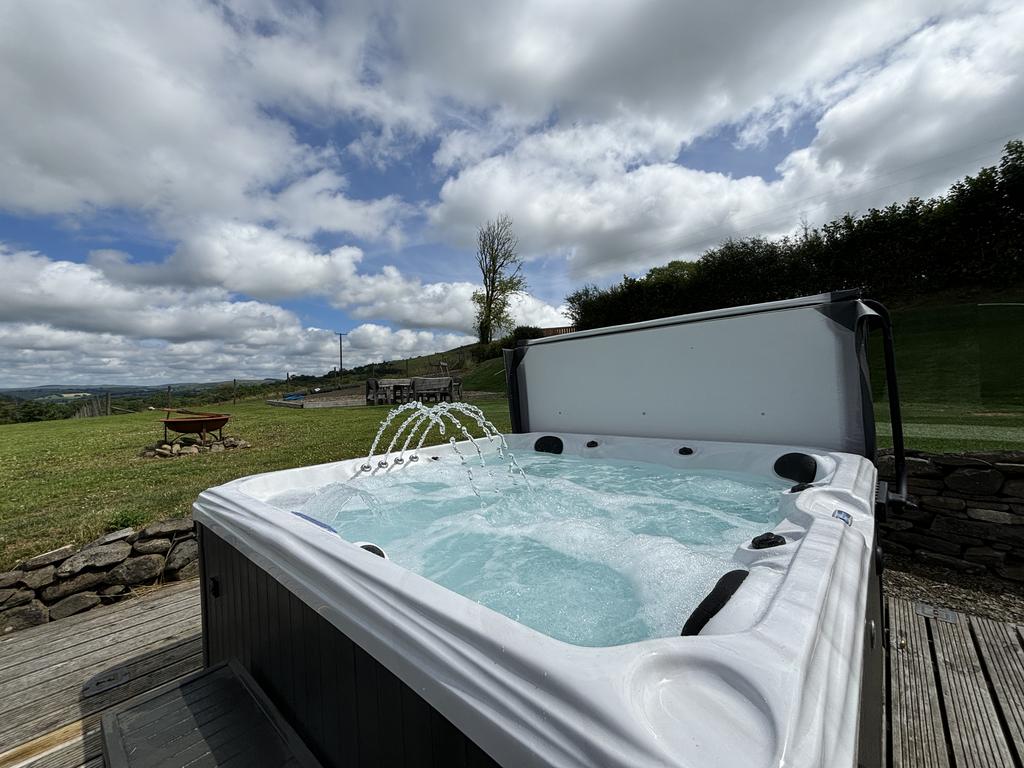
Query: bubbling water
pixel 593 552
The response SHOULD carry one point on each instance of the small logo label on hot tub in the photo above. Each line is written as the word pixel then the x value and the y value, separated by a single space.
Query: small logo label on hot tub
pixel 846 517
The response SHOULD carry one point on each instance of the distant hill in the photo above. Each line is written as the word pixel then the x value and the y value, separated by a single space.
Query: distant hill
pixel 59 391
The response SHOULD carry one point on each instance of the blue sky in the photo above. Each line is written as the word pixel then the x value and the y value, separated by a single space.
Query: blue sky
pixel 209 190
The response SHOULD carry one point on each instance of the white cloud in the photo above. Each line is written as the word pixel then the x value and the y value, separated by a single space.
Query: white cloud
pixel 167 110
pixel 609 196
pixel 243 132
pixel 695 65
pixel 529 310
pixel 377 342
pixel 75 319
pixel 58 316
pixel 264 264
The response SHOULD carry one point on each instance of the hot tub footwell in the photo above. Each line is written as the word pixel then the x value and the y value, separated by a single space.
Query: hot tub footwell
pixel 349 709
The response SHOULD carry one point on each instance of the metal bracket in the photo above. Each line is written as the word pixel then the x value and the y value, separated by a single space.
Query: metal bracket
pixel 105 681
pixel 939 614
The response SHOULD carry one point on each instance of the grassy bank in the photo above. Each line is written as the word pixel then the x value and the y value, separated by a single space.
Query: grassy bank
pixel 69 481
pixel 952 427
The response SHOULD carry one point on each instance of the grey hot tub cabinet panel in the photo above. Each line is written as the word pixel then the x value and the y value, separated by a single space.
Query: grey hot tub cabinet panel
pixel 346 707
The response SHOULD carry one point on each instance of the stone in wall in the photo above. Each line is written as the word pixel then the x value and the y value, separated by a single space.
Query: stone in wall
pixel 137 570
pixel 182 554
pixel 94 558
pixel 943 503
pixel 975 480
pixel 14 596
pixel 1014 488
pixel 151 546
pixel 31 614
pixel 69 606
pixel 79 583
pixel 48 558
pixel 38 578
pixel 110 538
pixel 69 580
pixel 176 526
pixel 994 516
pixel 967 511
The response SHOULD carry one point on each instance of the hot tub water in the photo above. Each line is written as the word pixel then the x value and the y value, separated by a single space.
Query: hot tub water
pixel 592 552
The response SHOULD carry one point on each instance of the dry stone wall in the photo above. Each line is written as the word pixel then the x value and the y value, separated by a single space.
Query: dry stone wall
pixel 967 513
pixel 70 579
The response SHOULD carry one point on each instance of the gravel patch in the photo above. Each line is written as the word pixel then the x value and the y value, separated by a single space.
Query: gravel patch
pixel 986 596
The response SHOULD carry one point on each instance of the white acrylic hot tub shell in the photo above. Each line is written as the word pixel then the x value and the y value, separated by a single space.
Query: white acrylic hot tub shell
pixel 773 679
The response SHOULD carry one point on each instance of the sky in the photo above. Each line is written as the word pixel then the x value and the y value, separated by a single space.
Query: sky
pixel 198 191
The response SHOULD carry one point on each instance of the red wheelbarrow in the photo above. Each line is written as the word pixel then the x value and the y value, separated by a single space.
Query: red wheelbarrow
pixel 195 423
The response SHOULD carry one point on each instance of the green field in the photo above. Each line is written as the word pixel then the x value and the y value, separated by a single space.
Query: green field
pixel 960 369
pixel 71 480
pixel 488 376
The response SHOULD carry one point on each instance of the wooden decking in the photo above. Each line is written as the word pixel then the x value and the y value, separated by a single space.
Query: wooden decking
pixel 956 687
pixel 955 683
pixel 57 680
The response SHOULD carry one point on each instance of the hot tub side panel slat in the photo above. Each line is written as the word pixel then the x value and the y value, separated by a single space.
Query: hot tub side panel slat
pixel 349 709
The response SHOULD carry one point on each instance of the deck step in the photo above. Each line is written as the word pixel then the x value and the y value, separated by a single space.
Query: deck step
pixel 216 717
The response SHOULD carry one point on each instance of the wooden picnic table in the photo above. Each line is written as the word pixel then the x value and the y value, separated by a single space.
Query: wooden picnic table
pixel 422 388
pixel 395 390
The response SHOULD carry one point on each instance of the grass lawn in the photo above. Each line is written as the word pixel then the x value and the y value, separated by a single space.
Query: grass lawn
pixel 68 481
pixel 948 427
pixel 960 369
pixel 488 376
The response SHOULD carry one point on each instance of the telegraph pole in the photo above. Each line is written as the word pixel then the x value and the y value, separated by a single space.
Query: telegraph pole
pixel 341 358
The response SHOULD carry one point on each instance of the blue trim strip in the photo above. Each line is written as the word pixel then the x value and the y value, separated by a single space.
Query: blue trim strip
pixel 314 521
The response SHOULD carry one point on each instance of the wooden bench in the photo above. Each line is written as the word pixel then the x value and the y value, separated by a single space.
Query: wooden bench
pixel 436 388
pixel 387 391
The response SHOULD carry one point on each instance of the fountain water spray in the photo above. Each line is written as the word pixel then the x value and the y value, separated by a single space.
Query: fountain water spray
pixel 423 420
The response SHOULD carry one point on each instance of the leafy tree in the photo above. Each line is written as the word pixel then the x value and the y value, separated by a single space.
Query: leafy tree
pixel 500 267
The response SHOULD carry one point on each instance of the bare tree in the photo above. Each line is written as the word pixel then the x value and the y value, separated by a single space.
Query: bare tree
pixel 500 267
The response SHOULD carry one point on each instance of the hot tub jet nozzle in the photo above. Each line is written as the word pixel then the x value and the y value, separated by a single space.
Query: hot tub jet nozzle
pixel 372 548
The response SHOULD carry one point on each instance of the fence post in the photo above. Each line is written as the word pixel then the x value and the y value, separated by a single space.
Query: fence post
pixel 168 395
pixel 234 391
pixel 108 403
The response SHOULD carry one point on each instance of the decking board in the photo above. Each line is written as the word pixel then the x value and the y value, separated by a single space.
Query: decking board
pixel 956 701
pixel 58 679
pixel 918 739
pixel 1002 653
pixel 974 729
pixel 957 690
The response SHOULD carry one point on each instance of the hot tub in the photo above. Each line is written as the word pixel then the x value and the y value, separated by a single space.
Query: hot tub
pixel 754 640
